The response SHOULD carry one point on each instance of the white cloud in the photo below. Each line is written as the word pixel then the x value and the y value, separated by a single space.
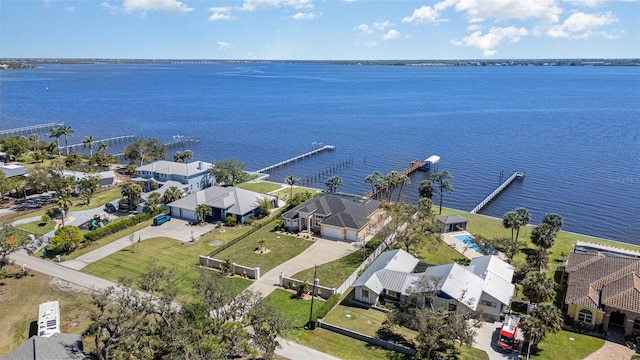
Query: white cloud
pixel 251 5
pixel 221 13
pixel 382 25
pixel 372 44
pixel 594 3
pixel 223 45
pixel 170 6
pixel 363 29
pixel 422 15
pixel 112 8
pixel 304 16
pixel 71 8
pixel 489 42
pixel 391 34
pixel 474 27
pixel 545 11
pixel 582 25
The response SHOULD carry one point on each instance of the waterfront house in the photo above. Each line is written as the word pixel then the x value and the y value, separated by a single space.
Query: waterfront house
pixel 224 201
pixel 106 178
pixel 603 287
pixel 483 285
pixel 452 223
pixel 11 170
pixel 335 216
pixel 194 176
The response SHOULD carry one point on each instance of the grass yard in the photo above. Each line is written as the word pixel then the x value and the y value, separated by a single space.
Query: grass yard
pixel 98 200
pixel 437 254
pixel 282 248
pixel 297 311
pixel 38 228
pixel 263 187
pixel 19 299
pixel 556 345
pixel 285 192
pixel 168 252
pixel 492 227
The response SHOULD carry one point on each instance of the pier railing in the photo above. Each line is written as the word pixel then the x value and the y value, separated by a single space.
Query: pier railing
pixel 415 165
pixel 111 140
pixel 510 179
pixel 296 158
pixel 28 130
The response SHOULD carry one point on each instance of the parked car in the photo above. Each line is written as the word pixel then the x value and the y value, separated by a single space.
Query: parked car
pixel 110 208
pixel 161 219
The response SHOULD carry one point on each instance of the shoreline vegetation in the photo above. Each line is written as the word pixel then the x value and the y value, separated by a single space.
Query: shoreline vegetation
pixel 20 63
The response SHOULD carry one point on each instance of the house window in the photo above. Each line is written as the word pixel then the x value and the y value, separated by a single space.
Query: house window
pixel 365 294
pixel 636 324
pixel 453 305
pixel 585 316
pixel 488 303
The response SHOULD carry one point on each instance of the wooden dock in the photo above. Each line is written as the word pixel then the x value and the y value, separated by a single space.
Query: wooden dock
pixel 296 158
pixel 415 165
pixel 515 176
pixel 28 130
pixel 112 140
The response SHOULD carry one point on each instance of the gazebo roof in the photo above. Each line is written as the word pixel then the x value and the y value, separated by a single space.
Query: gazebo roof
pixel 451 219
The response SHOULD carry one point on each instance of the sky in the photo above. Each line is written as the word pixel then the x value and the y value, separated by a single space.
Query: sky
pixel 320 29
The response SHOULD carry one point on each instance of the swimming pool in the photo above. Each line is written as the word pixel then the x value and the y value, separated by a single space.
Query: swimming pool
pixel 466 239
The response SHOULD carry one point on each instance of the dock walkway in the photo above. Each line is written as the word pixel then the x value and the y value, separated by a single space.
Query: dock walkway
pixel 28 130
pixel 510 179
pixel 111 140
pixel 415 165
pixel 296 158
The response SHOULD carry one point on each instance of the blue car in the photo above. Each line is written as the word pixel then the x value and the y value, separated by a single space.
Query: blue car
pixel 161 219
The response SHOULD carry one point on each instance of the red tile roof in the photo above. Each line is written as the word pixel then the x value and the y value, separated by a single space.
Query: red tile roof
pixel 596 279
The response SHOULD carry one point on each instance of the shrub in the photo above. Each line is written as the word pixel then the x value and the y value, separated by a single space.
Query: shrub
pixel 113 228
pixel 44 220
pixel 231 221
pixel 331 302
pixel 53 212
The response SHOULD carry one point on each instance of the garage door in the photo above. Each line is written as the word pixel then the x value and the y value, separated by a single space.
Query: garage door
pixel 332 233
pixel 352 235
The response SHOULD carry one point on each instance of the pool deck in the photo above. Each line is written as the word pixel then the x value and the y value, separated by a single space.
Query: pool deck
pixel 451 240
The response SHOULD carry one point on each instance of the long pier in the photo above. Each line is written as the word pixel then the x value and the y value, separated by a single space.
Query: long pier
pixel 181 141
pixel 296 158
pixel 515 176
pixel 28 130
pixel 111 140
pixel 415 165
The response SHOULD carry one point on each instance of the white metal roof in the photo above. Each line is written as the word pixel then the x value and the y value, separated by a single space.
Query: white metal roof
pixel 433 159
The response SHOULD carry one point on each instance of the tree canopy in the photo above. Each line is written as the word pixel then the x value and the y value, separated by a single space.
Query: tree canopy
pixel 442 184
pixel 15 145
pixel 143 151
pixel 229 172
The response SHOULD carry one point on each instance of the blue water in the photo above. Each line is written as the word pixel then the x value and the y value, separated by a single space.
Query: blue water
pixel 466 239
pixel 573 130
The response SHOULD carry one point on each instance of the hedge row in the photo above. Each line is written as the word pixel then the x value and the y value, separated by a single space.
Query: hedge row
pixel 331 302
pixel 118 226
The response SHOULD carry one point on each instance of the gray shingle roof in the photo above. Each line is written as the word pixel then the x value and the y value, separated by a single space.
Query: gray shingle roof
pixel 338 210
pixel 451 219
pixel 58 347
pixel 235 200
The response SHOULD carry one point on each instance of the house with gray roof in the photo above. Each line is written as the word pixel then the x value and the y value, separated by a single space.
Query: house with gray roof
pixel 58 346
pixel 484 285
pixel 451 223
pixel 335 216
pixel 603 287
pixel 224 201
pixel 194 176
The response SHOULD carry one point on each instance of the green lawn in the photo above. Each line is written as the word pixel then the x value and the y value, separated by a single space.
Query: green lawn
pixel 98 200
pixel 168 252
pixel 334 273
pixel 38 228
pixel 285 192
pixel 281 248
pixel 297 311
pixel 492 227
pixel 263 187
pixel 556 346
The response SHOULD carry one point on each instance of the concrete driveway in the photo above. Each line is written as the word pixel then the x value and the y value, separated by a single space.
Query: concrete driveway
pixel 174 229
pixel 485 339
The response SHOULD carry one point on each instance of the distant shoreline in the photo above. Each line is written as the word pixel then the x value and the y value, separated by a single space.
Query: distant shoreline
pixel 31 62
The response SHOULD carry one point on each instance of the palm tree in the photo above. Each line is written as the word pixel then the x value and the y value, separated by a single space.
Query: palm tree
pixel 546 319
pixel 133 192
pixel 171 194
pixel 34 139
pixel 523 217
pixel 64 202
pixel 103 147
pixel 391 181
pixel 538 287
pixel 374 179
pixel 402 181
pixel 334 183
pixel 426 189
pixel 153 201
pixel 66 132
pixel 90 143
pixel 202 211
pixel 261 242
pixel 441 179
pixel 554 220
pixel 510 221
pixel 543 236
pixel 55 133
pixel 291 180
pixel 177 157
